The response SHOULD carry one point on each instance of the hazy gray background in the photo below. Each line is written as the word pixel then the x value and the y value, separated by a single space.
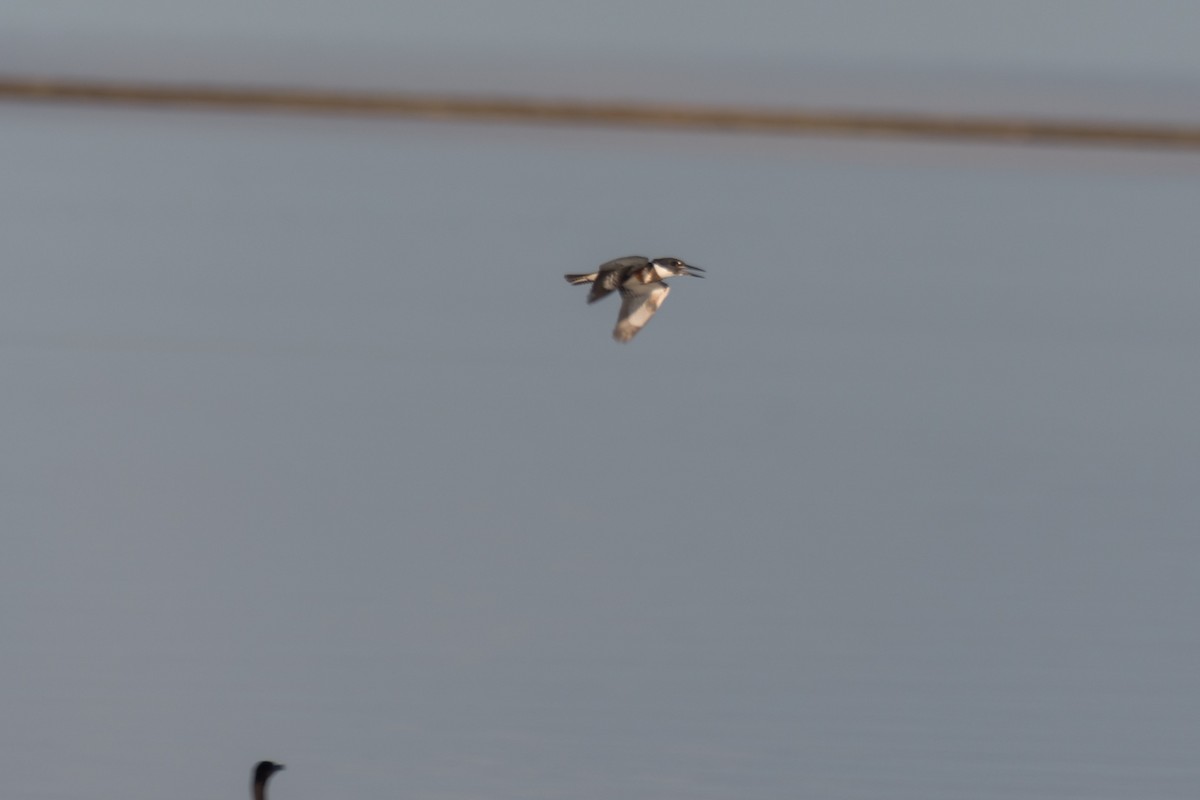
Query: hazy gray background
pixel 311 454
pixel 1112 37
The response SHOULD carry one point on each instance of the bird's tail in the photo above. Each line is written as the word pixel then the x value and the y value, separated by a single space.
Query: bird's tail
pixel 579 278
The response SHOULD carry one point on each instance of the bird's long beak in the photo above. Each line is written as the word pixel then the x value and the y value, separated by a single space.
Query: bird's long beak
pixel 692 271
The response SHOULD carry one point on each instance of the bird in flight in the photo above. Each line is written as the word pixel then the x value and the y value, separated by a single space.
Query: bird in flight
pixel 640 282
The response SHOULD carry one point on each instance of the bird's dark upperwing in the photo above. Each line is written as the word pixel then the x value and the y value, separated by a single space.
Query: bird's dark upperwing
pixel 610 273
pixel 623 262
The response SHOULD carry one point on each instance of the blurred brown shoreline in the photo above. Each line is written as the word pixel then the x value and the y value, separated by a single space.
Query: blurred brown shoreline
pixel 1031 130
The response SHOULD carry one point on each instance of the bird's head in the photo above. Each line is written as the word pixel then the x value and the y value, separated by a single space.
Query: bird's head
pixel 675 266
pixel 264 770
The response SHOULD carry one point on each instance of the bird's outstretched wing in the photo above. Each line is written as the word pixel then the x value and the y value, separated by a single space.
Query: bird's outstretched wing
pixel 608 275
pixel 637 309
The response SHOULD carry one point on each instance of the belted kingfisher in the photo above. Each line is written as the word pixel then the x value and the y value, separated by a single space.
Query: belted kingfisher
pixel 640 282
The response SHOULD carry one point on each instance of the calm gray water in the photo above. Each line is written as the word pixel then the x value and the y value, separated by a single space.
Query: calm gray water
pixel 311 454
